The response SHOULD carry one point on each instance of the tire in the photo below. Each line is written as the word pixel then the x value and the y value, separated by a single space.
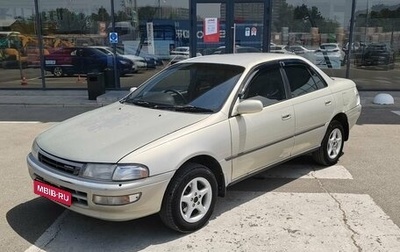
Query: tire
pixel 189 199
pixel 332 145
pixel 58 71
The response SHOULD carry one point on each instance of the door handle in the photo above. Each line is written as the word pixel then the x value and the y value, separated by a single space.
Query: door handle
pixel 327 103
pixel 286 117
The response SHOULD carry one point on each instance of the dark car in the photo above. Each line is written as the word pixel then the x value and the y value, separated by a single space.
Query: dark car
pixel 151 59
pixel 376 54
pixel 82 60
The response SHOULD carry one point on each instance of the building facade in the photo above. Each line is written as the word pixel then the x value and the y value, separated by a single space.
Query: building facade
pixel 360 38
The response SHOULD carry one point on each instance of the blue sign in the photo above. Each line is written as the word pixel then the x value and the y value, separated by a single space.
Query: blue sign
pixel 113 36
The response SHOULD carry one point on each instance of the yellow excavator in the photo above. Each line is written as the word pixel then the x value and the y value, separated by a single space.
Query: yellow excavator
pixel 11 50
pixel 18 50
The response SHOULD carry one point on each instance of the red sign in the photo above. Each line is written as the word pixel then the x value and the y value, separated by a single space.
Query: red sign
pixel 211 30
pixel 52 193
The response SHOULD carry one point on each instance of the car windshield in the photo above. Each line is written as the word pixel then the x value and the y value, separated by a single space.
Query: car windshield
pixel 188 87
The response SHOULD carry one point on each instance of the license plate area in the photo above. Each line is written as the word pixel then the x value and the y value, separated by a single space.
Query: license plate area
pixel 52 193
pixel 50 62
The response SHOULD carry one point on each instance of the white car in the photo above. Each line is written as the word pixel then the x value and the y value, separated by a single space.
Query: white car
pixel 329 55
pixel 175 144
pixel 280 49
pixel 180 53
pixel 298 49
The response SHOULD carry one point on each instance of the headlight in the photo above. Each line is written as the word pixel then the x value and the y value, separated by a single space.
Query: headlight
pixel 113 172
pixel 130 172
pixel 125 62
pixel 35 150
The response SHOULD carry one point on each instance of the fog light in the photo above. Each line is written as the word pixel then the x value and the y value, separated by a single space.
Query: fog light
pixel 116 200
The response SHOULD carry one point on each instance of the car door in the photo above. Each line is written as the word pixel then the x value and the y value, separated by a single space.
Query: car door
pixel 78 61
pixel 263 138
pixel 95 60
pixel 313 104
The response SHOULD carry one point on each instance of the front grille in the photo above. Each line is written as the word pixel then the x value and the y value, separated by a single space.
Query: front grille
pixel 64 166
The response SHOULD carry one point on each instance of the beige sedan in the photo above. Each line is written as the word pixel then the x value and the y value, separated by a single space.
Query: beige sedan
pixel 176 143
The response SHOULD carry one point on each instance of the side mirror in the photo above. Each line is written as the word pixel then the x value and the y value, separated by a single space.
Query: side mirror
pixel 249 107
pixel 132 89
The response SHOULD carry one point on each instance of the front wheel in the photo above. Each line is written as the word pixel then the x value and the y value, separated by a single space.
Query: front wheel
pixel 332 145
pixel 190 198
pixel 58 71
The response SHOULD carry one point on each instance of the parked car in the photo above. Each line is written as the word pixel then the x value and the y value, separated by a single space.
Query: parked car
pixel 238 49
pixel 298 49
pixel 302 51
pixel 180 53
pixel 376 54
pixel 173 145
pixel 279 49
pixel 82 60
pixel 329 55
pixel 151 59
pixel 138 62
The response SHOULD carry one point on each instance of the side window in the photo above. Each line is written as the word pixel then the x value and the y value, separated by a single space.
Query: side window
pixel 266 86
pixel 302 80
pixel 318 80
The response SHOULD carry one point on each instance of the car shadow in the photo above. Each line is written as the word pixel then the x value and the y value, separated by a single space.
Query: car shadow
pixel 82 233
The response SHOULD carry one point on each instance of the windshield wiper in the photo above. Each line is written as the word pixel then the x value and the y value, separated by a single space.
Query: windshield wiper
pixel 142 103
pixel 185 108
pixel 148 104
pixel 191 108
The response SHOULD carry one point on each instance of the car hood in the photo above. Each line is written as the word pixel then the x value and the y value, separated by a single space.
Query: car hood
pixel 107 134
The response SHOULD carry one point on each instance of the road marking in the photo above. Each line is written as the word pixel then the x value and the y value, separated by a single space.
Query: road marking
pixel 243 221
pixel 307 172
pixel 396 112
pixel 49 234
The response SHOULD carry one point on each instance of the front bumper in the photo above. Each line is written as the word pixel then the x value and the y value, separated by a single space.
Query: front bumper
pixel 151 190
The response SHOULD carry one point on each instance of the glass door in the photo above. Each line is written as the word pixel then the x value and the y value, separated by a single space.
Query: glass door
pixel 229 26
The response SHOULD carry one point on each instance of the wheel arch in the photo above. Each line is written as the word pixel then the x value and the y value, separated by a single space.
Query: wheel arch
pixel 212 164
pixel 342 119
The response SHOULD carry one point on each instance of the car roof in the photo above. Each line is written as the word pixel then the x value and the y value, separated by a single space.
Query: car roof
pixel 246 60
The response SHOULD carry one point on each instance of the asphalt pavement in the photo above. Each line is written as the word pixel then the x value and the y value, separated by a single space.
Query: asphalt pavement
pixel 352 206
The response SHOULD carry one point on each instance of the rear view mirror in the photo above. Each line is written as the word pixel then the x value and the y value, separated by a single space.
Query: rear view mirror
pixel 249 107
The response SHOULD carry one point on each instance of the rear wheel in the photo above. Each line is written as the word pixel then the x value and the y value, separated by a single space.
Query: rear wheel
pixel 332 145
pixel 190 198
pixel 58 71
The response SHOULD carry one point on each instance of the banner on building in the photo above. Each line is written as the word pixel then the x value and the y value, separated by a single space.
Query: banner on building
pixel 150 37
pixel 211 30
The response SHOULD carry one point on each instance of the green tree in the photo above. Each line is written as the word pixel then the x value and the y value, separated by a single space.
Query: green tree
pixel 101 15
pixel 71 22
pixel 311 17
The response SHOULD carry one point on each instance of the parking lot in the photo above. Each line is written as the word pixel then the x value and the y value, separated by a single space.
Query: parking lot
pixel 298 206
